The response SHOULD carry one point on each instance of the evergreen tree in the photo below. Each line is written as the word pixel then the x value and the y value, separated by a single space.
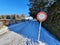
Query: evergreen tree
pixel 52 24
pixel 39 5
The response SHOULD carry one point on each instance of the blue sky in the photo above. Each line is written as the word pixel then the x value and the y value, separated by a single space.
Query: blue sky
pixel 14 7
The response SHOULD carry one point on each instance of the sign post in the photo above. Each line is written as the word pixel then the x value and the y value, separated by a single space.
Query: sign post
pixel 41 17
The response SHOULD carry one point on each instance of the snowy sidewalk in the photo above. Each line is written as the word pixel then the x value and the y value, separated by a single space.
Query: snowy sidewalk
pixel 10 38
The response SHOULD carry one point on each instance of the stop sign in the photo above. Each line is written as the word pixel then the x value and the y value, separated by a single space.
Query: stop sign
pixel 41 16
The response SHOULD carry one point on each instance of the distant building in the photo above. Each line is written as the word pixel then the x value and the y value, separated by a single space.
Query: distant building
pixel 12 19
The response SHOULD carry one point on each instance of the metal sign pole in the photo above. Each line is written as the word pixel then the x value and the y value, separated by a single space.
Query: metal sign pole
pixel 39 32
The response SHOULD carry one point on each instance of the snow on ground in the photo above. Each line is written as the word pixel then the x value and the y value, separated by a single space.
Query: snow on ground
pixel 11 38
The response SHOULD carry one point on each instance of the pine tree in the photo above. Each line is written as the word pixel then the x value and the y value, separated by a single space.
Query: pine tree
pixel 39 5
pixel 35 6
pixel 52 24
